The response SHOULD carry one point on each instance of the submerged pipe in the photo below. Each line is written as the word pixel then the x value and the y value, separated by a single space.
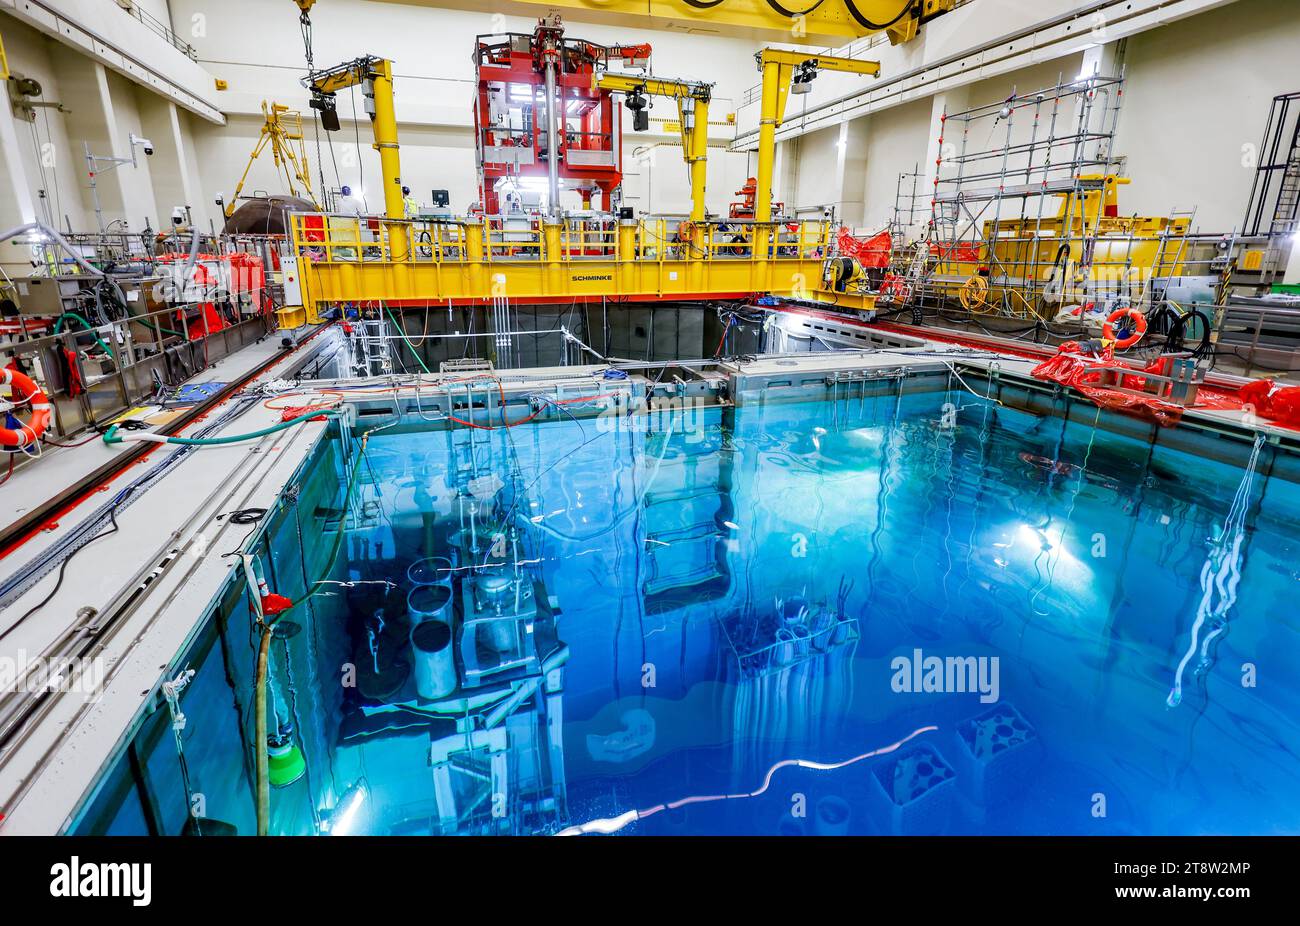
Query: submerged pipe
pixel 263 650
pixel 259 735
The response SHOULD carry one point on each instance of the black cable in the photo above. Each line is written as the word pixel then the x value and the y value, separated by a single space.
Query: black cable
pixel 1178 331
pixel 244 515
pixel 63 567
pixel 791 14
pixel 868 24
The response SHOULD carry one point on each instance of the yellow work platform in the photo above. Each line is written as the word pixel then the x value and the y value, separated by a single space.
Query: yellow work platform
pixel 351 259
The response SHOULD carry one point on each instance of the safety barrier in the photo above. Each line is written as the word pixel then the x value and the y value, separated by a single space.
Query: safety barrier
pixel 326 239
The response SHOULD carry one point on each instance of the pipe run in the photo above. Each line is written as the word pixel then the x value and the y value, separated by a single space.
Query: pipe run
pixel 552 142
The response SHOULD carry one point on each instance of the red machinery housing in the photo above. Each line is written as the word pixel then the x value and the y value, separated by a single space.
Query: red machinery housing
pixel 510 115
pixel 744 207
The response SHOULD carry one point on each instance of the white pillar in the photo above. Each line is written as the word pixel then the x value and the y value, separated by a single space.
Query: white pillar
pixel 17 190
pixel 852 166
pixel 189 166
pixel 173 169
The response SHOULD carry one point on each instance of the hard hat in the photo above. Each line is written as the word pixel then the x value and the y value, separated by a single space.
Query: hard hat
pixel 346 191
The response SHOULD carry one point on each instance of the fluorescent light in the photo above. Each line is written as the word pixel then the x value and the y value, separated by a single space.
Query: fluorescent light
pixel 341 821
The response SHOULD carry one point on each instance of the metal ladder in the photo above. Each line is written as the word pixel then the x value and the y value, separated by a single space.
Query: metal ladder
pixel 1277 182
pixel 1282 230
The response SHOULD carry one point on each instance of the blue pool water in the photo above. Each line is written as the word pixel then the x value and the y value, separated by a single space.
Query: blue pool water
pixel 741 588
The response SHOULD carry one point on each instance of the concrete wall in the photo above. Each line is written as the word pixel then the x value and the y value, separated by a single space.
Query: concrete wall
pixel 1198 98
pixel 45 158
pixel 86 102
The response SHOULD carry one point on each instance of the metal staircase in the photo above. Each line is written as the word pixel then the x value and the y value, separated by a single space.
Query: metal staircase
pixel 1274 207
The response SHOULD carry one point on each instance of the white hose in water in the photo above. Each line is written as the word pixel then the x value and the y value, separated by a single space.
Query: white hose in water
pixel 1221 574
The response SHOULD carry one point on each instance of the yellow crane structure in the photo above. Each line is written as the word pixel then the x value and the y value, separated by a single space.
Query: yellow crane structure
pixel 783 71
pixel 471 259
pixel 282 132
pixel 693 121
pixel 375 77
pixel 825 23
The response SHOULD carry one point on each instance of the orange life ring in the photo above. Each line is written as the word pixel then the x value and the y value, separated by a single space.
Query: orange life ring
pixel 1139 327
pixel 25 392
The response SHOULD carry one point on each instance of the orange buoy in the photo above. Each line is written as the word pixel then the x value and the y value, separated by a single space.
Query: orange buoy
pixel 25 392
pixel 1139 328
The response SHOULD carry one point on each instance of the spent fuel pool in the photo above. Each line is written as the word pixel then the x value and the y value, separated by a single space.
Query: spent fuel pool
pixel 904 614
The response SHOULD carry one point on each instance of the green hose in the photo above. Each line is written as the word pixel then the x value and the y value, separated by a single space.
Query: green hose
pixel 111 436
pixel 155 328
pixel 89 327
pixel 402 332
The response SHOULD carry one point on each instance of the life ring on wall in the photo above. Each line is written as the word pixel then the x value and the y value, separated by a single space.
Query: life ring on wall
pixel 1139 328
pixel 15 434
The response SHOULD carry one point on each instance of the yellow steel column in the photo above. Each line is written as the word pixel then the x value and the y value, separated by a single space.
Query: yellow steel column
pixel 697 154
pixel 552 253
pixel 474 254
pixel 390 163
pixel 776 79
pixel 626 254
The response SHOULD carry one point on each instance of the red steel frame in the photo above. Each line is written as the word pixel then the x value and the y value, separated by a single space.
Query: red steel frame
pixel 511 65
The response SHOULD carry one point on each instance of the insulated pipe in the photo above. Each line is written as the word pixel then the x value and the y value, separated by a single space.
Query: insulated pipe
pixel 552 142
pixel 85 265
pixel 57 239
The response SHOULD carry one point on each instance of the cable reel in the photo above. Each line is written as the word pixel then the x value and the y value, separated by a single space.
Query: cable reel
pixel 842 272
pixel 974 294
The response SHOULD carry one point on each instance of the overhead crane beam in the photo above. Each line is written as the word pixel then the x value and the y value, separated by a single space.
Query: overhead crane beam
pixel 818 24
pixel 693 119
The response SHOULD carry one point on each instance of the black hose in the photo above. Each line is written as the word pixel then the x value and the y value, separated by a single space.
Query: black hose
pixel 868 24
pixel 1174 340
pixel 791 14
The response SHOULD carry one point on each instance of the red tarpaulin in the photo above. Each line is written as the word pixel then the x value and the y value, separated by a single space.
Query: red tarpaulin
pixel 962 253
pixel 869 252
pixel 1072 367
pixel 1282 407
pixel 1085 373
